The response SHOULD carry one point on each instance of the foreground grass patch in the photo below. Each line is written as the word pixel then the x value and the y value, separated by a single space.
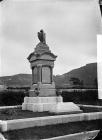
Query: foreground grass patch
pixel 37 133
pixel 18 113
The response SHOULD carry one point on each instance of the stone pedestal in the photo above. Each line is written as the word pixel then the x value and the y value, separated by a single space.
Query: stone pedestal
pixel 40 104
pixel 68 107
pixel 51 104
pixel 45 90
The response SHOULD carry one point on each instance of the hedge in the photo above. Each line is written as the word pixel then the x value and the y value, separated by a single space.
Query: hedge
pixel 78 97
pixel 9 98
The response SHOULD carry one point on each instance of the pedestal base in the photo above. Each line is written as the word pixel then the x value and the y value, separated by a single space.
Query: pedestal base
pixel 69 107
pixel 45 90
pixel 51 104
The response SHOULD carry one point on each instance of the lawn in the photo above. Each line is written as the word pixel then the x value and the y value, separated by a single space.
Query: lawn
pixel 18 113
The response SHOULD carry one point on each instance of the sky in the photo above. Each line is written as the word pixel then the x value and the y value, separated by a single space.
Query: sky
pixel 71 27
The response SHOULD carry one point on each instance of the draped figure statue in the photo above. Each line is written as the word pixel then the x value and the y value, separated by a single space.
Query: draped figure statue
pixel 42 36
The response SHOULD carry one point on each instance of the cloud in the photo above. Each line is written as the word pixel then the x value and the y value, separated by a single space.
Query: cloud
pixel 71 27
pixel 14 58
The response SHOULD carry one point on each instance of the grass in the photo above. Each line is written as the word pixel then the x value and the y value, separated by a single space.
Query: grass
pixel 18 113
pixel 37 133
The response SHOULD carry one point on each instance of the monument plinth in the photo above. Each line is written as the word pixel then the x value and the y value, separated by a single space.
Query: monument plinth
pixel 42 95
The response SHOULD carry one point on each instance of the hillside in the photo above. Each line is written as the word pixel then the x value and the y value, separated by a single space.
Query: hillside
pixel 86 74
pixel 16 80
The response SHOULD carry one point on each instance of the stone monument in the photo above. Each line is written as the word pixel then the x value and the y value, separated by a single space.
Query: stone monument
pixel 42 63
pixel 42 95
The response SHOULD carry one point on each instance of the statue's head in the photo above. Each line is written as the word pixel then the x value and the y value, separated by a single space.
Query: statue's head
pixel 41 31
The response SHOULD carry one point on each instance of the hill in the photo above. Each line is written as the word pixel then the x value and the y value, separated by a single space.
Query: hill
pixel 86 76
pixel 18 80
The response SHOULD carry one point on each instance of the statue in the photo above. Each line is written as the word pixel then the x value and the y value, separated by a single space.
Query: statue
pixel 41 36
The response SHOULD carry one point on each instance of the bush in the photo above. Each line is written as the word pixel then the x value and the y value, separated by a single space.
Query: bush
pixel 8 98
pixel 82 96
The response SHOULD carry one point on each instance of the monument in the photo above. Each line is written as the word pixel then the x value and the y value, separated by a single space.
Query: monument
pixel 42 95
pixel 42 63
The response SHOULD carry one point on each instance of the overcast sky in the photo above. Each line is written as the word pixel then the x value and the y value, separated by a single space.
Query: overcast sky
pixel 71 27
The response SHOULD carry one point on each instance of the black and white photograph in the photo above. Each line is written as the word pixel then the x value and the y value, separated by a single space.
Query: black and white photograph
pixel 51 70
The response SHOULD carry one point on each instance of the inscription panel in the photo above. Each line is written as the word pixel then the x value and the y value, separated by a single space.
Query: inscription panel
pixel 46 74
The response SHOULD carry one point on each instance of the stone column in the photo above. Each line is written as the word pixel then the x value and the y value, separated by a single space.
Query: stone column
pixel 39 75
pixel 51 74
pixel 32 75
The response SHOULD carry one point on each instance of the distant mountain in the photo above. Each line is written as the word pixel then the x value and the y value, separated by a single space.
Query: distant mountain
pixel 87 75
pixel 16 80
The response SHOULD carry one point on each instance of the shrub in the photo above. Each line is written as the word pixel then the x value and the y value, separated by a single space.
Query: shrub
pixel 82 96
pixel 8 98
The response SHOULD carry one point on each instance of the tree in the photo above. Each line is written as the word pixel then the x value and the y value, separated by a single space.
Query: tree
pixel 77 82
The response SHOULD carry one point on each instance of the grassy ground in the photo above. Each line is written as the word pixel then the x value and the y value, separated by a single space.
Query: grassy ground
pixel 37 133
pixel 18 113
